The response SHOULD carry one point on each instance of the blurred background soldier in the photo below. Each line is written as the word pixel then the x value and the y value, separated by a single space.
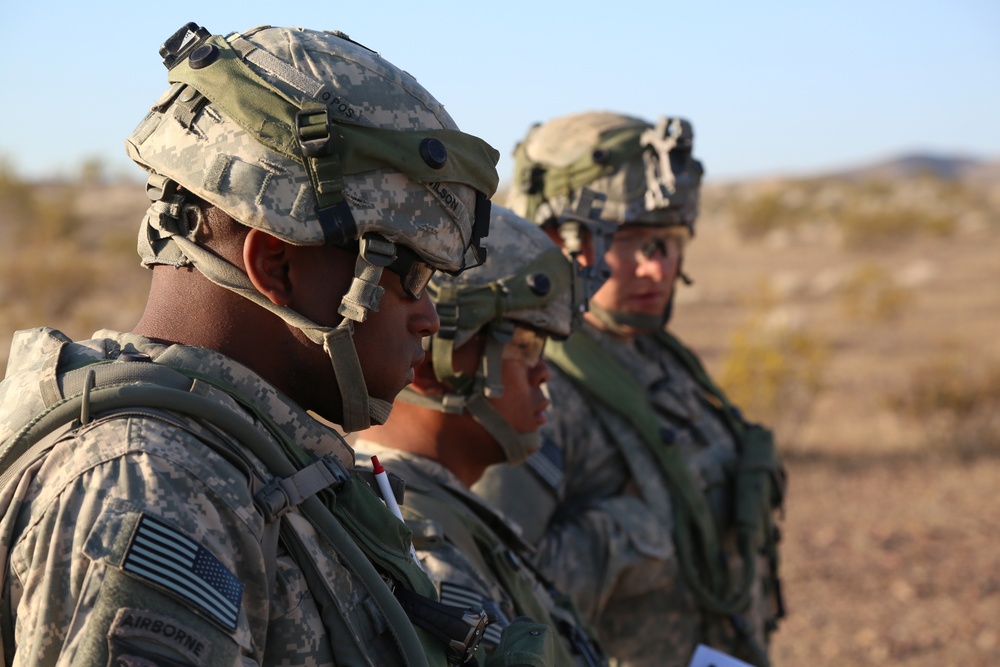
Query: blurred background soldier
pixel 651 499
pixel 477 400
pixel 167 498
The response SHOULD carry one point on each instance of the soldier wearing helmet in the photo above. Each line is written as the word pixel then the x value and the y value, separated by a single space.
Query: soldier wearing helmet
pixel 476 401
pixel 651 499
pixel 168 495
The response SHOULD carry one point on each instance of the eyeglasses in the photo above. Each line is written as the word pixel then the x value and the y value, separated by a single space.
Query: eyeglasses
pixel 526 346
pixel 645 249
pixel 414 273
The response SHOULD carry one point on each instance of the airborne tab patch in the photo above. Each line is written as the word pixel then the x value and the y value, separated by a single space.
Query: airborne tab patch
pixel 168 558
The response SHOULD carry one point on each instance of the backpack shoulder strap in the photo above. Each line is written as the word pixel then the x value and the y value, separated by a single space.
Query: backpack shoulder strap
pixel 599 375
pixel 78 394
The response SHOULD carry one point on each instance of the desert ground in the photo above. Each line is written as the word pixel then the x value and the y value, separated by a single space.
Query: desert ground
pixel 876 360
pixel 892 525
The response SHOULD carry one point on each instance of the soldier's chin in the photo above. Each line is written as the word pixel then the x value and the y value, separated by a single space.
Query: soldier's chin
pixel 640 322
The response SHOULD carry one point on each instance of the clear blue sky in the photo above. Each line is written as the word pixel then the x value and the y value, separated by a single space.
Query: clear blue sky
pixel 777 87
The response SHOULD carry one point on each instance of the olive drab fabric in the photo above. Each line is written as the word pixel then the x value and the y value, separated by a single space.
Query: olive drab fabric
pixel 70 517
pixel 475 555
pixel 600 509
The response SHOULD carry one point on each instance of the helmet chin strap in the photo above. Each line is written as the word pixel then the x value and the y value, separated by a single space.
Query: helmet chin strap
pixel 359 409
pixel 516 446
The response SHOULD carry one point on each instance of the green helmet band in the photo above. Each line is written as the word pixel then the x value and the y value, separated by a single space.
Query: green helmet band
pixel 540 183
pixel 330 146
pixel 472 309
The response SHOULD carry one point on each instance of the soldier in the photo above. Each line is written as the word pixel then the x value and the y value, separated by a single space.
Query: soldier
pixel 166 497
pixel 475 402
pixel 651 499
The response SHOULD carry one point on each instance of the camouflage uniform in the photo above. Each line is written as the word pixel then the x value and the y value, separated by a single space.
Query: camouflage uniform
pixel 598 511
pixel 76 584
pixel 438 507
pixel 596 501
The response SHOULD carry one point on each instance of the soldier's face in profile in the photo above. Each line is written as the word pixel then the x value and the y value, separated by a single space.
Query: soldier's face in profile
pixel 524 371
pixel 388 342
pixel 644 262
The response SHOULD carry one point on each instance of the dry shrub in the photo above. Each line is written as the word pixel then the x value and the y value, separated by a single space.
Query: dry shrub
pixel 774 370
pixel 43 269
pixel 867 213
pixel 862 227
pixel 16 196
pixel 763 214
pixel 870 294
pixel 955 397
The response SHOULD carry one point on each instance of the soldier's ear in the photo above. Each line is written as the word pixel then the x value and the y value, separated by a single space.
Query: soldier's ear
pixel 266 259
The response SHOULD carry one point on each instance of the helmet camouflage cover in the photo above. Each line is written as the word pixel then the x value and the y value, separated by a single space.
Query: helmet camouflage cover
pixel 314 139
pixel 647 172
pixel 527 281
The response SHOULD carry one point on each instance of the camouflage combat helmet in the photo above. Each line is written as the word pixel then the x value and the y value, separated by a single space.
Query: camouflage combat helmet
pixel 646 172
pixel 315 139
pixel 526 282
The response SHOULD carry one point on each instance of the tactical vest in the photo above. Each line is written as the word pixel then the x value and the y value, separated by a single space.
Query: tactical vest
pixel 759 484
pixel 483 539
pixel 338 502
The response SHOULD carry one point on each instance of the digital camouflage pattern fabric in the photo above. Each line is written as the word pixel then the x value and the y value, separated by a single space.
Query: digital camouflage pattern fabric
pixel 527 282
pixel 460 539
pixel 204 134
pixel 599 512
pixel 646 172
pixel 73 537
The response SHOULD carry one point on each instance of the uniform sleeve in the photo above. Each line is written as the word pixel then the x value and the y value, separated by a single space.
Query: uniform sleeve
pixel 575 504
pixel 139 545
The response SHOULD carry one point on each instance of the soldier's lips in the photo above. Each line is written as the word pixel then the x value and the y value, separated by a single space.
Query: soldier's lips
pixel 412 370
pixel 540 413
pixel 649 301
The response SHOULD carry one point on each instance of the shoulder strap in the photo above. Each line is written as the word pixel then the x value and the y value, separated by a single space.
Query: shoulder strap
pixel 598 374
pixel 155 385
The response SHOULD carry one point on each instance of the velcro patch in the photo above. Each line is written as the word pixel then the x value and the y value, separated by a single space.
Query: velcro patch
pixel 133 627
pixel 449 201
pixel 168 558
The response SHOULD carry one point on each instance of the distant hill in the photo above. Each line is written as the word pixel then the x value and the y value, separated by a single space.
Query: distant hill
pixel 920 164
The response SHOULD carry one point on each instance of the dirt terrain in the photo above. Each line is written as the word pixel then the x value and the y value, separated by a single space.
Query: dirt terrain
pixel 892 532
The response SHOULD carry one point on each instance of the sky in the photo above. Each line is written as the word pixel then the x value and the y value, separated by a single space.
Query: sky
pixel 772 88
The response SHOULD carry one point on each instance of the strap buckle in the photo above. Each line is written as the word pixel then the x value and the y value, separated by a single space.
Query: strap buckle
pixel 459 629
pixel 312 143
pixel 282 494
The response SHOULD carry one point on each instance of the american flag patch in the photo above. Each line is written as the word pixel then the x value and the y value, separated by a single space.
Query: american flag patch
pixel 168 558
